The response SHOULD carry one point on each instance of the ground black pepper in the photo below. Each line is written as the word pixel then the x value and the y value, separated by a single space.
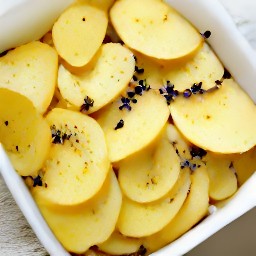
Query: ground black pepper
pixel 88 103
pixel 120 124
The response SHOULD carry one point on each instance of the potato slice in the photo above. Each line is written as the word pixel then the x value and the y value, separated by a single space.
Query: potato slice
pixel 31 70
pixel 150 173
pixel 79 32
pixel 141 125
pixel 154 29
pixel 139 220
pixel 117 244
pixel 245 165
pixel 107 77
pixel 204 67
pixel 78 163
pixel 24 133
pixel 221 121
pixel 102 4
pixel 223 182
pixel 79 227
pixel 194 209
pixel 180 143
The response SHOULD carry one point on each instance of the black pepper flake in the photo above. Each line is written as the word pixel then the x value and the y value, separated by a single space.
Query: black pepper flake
pixel 187 163
pixel 135 58
pixel 3 53
pixel 83 19
pixel 130 94
pixel 197 152
pixel 206 34
pixel 226 74
pixel 125 104
pixel 139 70
pixel 142 251
pixel 88 102
pixel 187 93
pixel 168 92
pixel 120 124
pixel 6 123
pixel 196 88
pixel 218 83
pixel 134 78
pixel 138 90
pixel 58 137
pixel 17 148
pixel 37 181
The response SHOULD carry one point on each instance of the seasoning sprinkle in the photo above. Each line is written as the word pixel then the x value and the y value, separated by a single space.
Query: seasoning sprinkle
pixel 37 181
pixel 139 70
pixel 168 92
pixel 206 34
pixel 6 123
pixel 142 251
pixel 226 74
pixel 197 152
pixel 58 137
pixel 120 124
pixel 125 104
pixel 88 102
pixel 138 90
pixel 187 93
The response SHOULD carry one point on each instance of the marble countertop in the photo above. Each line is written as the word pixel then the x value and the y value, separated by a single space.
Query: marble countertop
pixel 16 237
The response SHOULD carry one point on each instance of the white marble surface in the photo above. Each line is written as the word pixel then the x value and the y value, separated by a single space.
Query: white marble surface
pixel 16 237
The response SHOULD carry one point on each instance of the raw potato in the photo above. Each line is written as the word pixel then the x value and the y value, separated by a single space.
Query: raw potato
pixel 179 142
pixel 108 75
pixel 78 165
pixel 150 173
pixel 102 4
pixel 193 210
pixel 79 33
pixel 215 121
pixel 139 220
pixel 245 165
pixel 148 117
pixel 154 29
pixel 204 67
pixel 117 244
pixel 79 227
pixel 31 70
pixel 223 182
pixel 25 135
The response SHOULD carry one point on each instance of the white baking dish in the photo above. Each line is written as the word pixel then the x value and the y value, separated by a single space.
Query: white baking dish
pixel 230 46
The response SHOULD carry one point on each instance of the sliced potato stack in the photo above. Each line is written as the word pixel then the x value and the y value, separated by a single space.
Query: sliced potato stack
pixel 149 174
pixel 117 244
pixel 140 220
pixel 79 227
pixel 141 125
pixel 21 130
pixel 78 162
pixel 204 67
pixel 31 70
pixel 154 29
pixel 193 210
pixel 106 77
